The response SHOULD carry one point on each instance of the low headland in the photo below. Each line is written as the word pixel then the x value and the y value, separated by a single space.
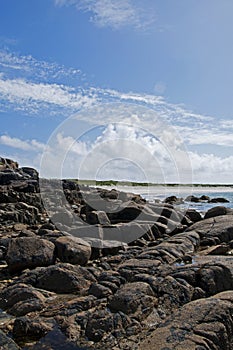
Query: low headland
pixel 85 267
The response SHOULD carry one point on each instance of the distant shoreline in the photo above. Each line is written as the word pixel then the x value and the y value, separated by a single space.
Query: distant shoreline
pixel 145 184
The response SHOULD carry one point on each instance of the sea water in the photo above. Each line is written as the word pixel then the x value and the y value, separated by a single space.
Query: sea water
pixel 154 193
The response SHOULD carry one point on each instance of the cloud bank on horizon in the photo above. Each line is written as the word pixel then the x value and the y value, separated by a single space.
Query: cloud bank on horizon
pixel 43 90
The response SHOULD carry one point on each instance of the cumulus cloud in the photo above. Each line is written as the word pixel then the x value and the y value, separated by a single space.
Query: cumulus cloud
pixel 69 144
pixel 121 153
pixel 148 157
pixel 113 13
pixel 209 168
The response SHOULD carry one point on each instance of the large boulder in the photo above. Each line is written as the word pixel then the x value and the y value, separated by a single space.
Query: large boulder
pixel 198 325
pixel 19 212
pixel 212 274
pixel 29 252
pixel 73 250
pixel 192 198
pixel 100 324
pixel 214 230
pixel 17 293
pixel 33 173
pixel 61 278
pixel 8 175
pixel 174 200
pixel 173 248
pixel 174 293
pixel 104 247
pixel 218 200
pixel 218 211
pixel 25 327
pixel 215 274
pixel 135 298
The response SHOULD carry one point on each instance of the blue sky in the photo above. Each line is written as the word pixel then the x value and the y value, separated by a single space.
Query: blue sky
pixel 60 57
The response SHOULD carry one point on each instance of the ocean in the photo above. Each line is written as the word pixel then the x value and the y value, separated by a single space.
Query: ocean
pixel 153 193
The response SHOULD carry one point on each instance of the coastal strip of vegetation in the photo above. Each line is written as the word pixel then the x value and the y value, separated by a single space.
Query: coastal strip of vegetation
pixel 146 184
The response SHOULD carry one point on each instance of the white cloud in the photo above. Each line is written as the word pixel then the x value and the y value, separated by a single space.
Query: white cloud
pixel 113 13
pixel 27 85
pixel 121 152
pixel 166 126
pixel 45 98
pixel 30 96
pixel 148 157
pixel 203 135
pixel 25 145
pixel 208 168
pixel 29 66
pixel 226 124
pixel 69 144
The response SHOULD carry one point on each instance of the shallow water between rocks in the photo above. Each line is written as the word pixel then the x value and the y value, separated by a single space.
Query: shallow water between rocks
pixel 54 340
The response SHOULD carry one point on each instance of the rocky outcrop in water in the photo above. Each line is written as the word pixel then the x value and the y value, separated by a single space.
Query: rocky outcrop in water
pixel 88 268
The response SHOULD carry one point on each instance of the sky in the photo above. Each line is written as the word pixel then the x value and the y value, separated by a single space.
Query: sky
pixel 135 90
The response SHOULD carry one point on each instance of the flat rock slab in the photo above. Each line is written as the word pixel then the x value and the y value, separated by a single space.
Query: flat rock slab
pixel 220 249
pixel 224 260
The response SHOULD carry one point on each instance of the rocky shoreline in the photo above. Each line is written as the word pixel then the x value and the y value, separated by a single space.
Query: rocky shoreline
pixel 100 269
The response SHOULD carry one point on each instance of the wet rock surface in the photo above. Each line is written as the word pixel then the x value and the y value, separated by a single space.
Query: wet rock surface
pixel 99 269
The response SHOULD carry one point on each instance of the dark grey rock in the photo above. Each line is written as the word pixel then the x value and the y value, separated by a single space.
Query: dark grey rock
pixel 29 252
pixel 24 327
pixel 73 250
pixel 7 343
pixel 220 227
pixel 135 298
pixel 218 211
pixel 193 215
pixel 97 217
pixel 99 291
pixel 201 324
pixel 218 200
pixel 19 292
pixel 64 278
